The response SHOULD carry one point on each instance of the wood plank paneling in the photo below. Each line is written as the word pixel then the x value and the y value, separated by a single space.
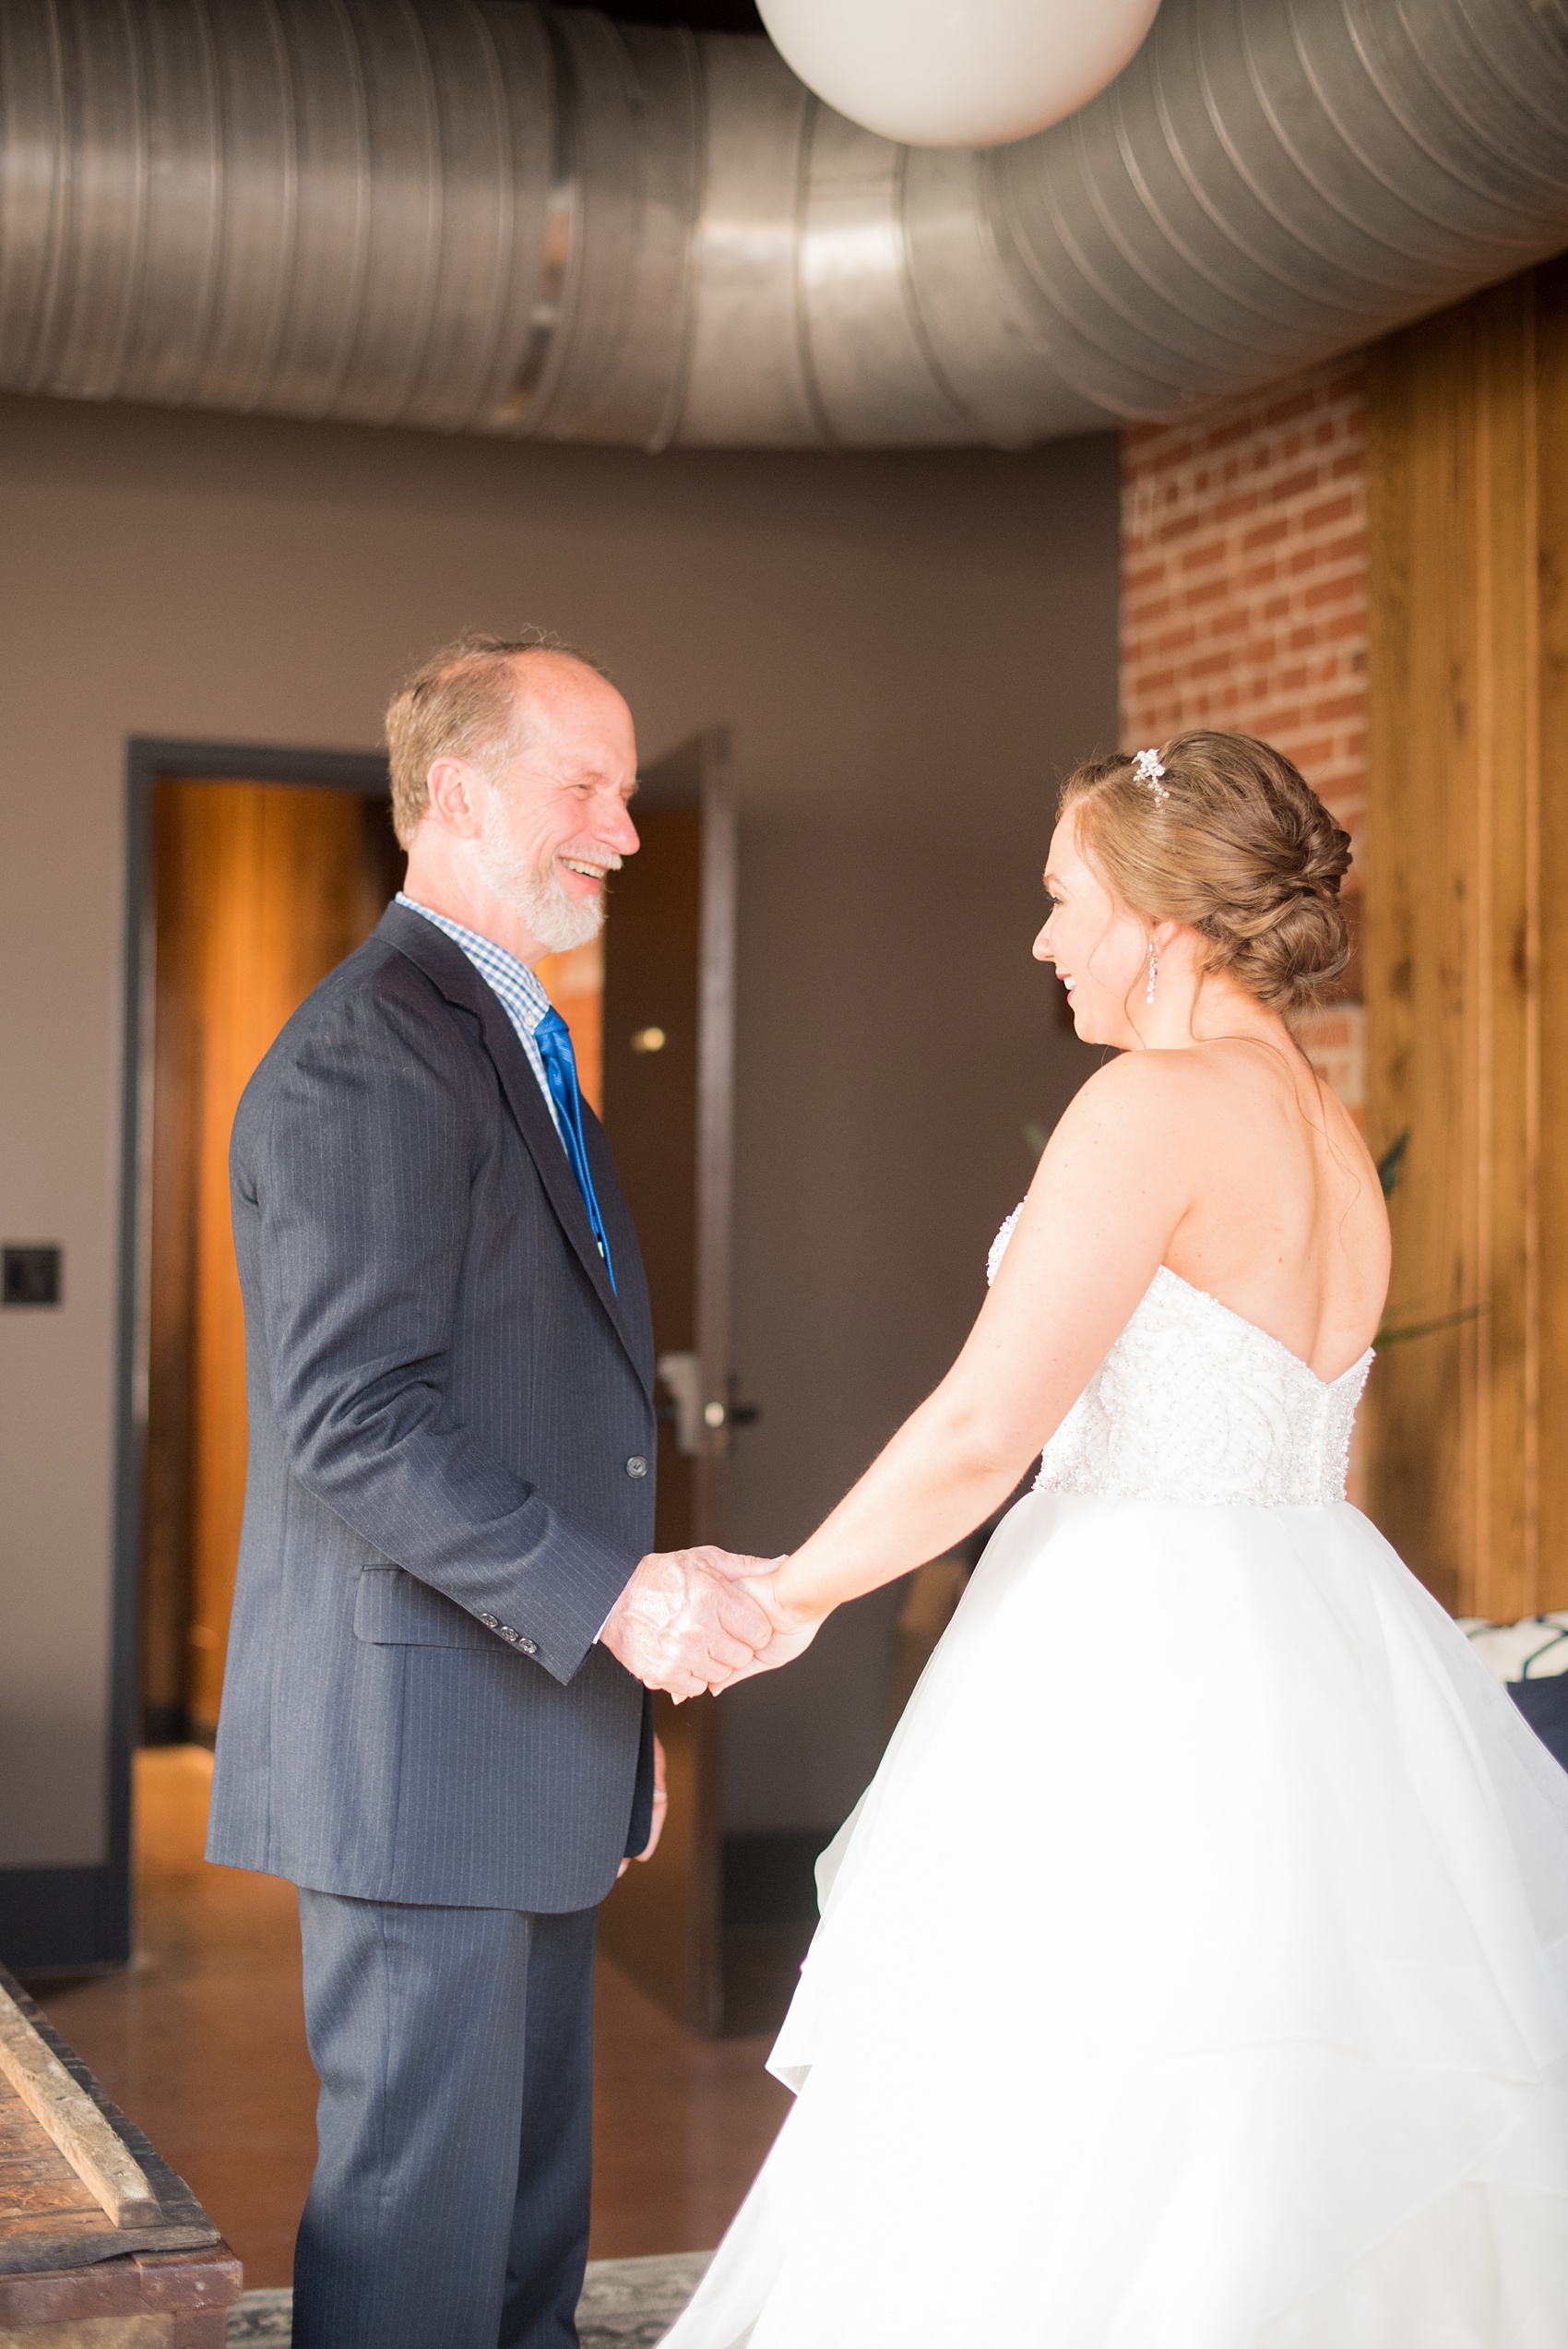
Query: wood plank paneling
pixel 1466 867
pixel 1551 1178
pixel 1420 516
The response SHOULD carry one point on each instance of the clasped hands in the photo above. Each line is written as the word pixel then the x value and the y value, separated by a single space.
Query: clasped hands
pixel 691 1621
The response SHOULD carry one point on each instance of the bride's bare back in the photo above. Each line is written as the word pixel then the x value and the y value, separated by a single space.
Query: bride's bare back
pixel 1287 1223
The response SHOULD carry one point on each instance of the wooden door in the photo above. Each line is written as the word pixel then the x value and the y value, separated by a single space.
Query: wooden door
pixel 669 1092
pixel 259 889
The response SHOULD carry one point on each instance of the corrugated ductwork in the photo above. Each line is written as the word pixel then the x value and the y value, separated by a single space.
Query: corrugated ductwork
pixel 480 215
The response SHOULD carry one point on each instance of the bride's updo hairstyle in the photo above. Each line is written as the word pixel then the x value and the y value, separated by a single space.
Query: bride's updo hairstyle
pixel 1232 841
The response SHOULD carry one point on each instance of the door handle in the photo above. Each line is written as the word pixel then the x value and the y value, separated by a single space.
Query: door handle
pixel 682 1374
pixel 701 1422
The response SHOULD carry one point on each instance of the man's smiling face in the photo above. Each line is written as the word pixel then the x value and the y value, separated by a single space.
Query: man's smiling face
pixel 554 817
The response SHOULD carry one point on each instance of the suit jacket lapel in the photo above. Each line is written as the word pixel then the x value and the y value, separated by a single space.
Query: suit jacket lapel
pixel 444 961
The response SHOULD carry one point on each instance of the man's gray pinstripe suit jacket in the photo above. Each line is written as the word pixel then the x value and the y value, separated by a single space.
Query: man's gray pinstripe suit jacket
pixel 445 1394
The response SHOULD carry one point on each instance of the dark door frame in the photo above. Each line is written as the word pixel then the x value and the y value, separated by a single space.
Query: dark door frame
pixel 664 1925
pixel 95 1931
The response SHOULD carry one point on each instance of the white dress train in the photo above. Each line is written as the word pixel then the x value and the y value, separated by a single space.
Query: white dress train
pixel 1193 1974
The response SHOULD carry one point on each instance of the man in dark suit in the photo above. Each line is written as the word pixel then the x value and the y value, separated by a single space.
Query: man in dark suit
pixel 433 1722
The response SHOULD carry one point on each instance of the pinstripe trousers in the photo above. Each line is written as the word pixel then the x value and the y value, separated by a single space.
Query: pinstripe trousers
pixel 449 2207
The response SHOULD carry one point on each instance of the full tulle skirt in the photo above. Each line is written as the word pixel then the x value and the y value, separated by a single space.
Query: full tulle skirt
pixel 1193 1974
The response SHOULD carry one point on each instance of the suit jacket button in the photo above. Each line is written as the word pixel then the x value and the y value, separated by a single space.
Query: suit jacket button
pixel 636 1465
pixel 528 1647
pixel 490 1623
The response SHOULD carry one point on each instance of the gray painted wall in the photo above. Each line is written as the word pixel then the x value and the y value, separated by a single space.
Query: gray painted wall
pixel 895 1038
pixel 907 648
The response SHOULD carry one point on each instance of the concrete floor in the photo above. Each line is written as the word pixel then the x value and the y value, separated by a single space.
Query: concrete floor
pixel 202 2041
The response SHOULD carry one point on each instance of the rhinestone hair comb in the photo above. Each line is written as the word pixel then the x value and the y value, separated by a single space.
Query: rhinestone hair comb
pixel 1146 767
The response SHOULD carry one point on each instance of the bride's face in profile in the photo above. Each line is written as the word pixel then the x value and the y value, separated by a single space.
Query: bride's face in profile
pixel 1099 949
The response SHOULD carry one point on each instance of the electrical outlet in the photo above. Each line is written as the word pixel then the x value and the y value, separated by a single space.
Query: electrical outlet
pixel 29 1275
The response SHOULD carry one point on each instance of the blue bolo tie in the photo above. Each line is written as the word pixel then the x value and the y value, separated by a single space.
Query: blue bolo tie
pixel 554 1040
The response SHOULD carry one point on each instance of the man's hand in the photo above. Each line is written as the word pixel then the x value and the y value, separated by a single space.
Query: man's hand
pixel 660 1808
pixel 684 1623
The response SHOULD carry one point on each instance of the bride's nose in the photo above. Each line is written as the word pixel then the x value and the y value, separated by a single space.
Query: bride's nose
pixel 1041 948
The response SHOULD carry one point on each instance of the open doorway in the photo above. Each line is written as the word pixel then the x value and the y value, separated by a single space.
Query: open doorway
pixel 257 886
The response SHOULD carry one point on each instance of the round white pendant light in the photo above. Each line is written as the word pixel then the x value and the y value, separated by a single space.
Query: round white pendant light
pixel 956 73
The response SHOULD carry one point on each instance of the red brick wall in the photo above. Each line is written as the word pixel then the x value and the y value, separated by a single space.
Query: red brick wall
pixel 1244 598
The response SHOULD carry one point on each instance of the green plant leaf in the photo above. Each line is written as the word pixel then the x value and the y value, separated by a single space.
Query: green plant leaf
pixel 1391 1165
pixel 1400 1333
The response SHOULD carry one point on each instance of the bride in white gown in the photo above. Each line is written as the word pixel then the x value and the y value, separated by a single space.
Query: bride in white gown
pixel 1217 1996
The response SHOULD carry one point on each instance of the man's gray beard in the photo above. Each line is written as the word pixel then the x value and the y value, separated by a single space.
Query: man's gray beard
pixel 557 921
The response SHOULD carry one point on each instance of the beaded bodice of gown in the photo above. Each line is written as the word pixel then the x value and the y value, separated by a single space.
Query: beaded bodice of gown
pixel 1193 1403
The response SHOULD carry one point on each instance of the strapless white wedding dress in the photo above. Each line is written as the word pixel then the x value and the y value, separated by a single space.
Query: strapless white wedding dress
pixel 1193 1974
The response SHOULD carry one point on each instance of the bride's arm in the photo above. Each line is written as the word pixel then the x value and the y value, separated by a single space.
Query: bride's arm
pixel 1113 1186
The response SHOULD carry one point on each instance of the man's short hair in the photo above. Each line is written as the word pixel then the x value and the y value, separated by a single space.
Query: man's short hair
pixel 461 703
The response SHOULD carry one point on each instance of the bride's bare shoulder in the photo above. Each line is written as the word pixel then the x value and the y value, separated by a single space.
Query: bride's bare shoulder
pixel 1178 1109
pixel 1153 1103
pixel 1142 1087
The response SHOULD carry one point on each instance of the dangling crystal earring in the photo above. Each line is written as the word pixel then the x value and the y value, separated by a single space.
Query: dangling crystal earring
pixel 1153 972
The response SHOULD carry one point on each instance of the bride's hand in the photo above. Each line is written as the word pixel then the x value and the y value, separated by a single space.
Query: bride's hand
pixel 792 1632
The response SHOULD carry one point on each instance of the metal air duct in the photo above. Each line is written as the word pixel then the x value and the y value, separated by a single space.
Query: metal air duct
pixel 487 216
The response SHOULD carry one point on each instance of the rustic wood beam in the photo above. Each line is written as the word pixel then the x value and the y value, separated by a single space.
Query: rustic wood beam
pixel 74 2121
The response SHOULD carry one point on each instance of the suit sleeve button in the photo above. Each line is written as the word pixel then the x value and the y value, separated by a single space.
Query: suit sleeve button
pixel 528 1647
pixel 490 1623
pixel 636 1465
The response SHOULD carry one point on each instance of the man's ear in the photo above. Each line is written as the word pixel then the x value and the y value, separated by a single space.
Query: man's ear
pixel 453 786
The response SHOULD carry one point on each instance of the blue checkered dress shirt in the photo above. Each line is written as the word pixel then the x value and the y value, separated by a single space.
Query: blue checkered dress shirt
pixel 522 998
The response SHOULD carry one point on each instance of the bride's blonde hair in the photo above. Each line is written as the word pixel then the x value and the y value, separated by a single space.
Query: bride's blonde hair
pixel 1232 839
